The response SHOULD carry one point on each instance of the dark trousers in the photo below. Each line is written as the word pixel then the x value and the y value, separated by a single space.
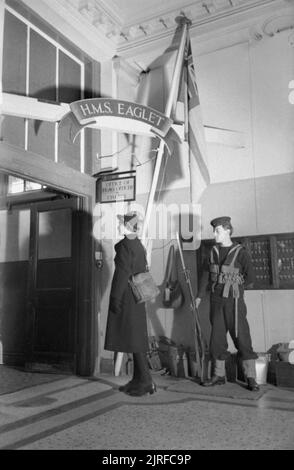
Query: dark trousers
pixel 222 319
pixel 141 372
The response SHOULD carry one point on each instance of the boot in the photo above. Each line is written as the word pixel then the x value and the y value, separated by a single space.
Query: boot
pixel 134 380
pixel 215 380
pixel 127 386
pixel 143 383
pixel 219 376
pixel 250 374
pixel 252 384
pixel 139 390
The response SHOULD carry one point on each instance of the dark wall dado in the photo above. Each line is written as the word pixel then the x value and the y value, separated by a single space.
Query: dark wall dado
pixel 13 304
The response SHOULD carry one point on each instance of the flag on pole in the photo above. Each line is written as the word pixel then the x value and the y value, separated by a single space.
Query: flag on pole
pixel 189 103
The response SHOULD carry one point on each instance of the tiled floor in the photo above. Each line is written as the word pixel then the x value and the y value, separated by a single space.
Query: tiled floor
pixel 69 412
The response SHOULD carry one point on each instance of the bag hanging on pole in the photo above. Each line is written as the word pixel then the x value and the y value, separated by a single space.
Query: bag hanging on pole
pixel 172 295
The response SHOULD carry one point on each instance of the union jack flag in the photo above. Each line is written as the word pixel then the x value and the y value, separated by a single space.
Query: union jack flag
pixel 194 129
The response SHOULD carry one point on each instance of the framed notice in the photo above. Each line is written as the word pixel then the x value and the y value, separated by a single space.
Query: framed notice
pixel 116 187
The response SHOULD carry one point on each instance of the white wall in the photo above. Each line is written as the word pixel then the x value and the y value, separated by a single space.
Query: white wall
pixel 245 88
pixel 223 79
pixel 257 206
pixel 270 315
pixel 272 67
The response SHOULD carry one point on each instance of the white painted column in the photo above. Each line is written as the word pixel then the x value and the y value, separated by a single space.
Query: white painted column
pixel 107 140
pixel 115 81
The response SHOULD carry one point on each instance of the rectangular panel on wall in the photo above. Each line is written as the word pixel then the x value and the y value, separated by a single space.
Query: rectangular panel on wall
pixel 13 131
pixel 14 265
pixel 41 138
pixel 92 136
pixel 69 89
pixel 92 148
pixel 92 80
pixel 69 153
pixel 14 278
pixel 14 55
pixel 42 81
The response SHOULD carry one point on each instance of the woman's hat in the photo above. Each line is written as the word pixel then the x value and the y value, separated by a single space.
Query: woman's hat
pixel 131 218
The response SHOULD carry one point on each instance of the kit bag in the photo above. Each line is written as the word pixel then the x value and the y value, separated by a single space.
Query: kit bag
pixel 172 295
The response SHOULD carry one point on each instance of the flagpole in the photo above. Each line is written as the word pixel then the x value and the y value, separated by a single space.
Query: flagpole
pixel 185 22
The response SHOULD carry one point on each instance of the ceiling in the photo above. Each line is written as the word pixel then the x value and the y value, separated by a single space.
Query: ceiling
pixel 132 27
pixel 126 21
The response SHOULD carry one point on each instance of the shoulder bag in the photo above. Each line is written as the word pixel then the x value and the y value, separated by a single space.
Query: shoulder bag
pixel 143 286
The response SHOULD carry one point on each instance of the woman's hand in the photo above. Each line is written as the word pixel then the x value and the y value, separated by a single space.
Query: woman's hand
pixel 114 305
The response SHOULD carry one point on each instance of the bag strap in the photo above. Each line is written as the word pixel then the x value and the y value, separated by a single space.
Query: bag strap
pixel 146 262
pixel 214 249
pixel 170 262
pixel 174 273
pixel 237 248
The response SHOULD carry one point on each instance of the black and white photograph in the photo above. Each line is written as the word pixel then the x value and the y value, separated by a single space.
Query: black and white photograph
pixel 146 228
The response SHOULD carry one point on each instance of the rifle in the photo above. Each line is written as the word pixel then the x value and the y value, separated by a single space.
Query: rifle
pixel 199 342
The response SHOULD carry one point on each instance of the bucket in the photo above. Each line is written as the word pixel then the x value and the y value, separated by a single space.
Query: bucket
pixel 182 365
pixel 287 356
pixel 261 365
pixel 178 362
pixel 192 364
pixel 173 360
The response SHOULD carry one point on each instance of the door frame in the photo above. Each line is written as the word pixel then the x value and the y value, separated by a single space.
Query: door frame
pixel 28 165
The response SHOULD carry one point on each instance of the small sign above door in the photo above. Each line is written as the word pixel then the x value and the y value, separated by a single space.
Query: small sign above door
pixel 116 187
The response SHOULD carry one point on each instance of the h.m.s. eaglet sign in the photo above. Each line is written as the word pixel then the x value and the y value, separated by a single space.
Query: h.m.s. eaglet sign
pixel 120 115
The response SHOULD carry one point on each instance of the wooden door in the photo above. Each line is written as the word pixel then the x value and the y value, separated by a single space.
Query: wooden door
pixel 52 297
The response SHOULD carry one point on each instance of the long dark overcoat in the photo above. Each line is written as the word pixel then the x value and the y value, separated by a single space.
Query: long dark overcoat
pixel 126 329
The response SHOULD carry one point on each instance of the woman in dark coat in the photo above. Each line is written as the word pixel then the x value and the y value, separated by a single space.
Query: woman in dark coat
pixel 126 329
